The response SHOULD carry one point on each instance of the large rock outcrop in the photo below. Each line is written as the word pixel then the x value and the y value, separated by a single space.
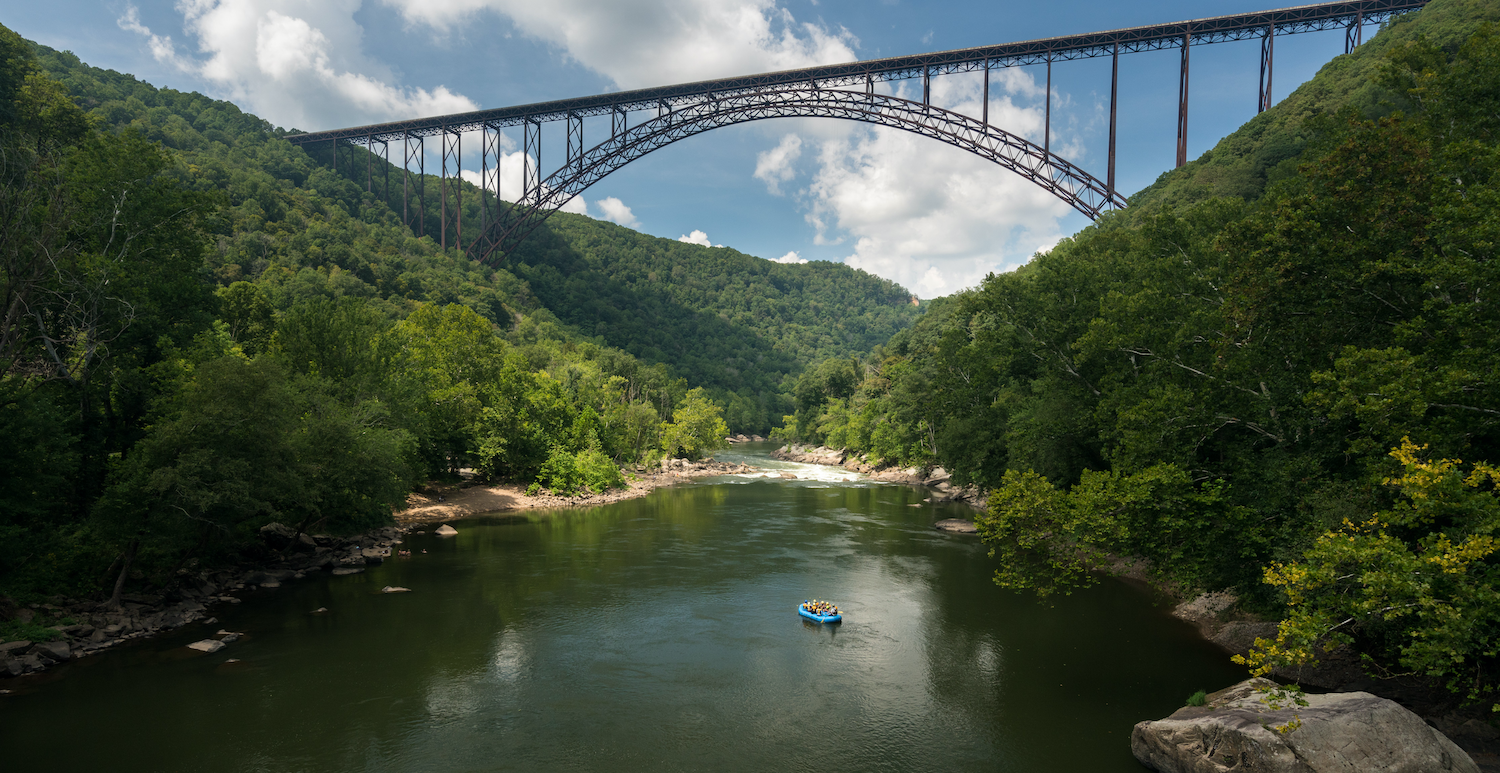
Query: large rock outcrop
pixel 1245 729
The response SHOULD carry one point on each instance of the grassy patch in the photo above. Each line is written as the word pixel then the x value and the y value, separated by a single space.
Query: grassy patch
pixel 15 630
pixel 1199 698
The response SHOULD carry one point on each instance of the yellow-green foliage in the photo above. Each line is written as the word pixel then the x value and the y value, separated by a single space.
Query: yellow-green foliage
pixel 1411 585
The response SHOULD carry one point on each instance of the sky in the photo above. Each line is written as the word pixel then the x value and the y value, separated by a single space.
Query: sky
pixel 929 216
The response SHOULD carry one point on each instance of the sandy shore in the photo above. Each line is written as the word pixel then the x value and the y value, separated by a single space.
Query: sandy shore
pixel 446 502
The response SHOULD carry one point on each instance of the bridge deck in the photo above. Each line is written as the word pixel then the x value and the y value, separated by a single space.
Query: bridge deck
pixel 1216 29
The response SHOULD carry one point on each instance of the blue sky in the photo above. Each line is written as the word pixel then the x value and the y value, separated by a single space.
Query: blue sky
pixel 926 215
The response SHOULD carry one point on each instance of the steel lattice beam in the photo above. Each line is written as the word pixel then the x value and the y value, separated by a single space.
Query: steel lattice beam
pixel 1349 16
pixel 1050 172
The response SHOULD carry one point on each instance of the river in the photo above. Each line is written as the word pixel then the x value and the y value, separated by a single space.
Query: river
pixel 656 634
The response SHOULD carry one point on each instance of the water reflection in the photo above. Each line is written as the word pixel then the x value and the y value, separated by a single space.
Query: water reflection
pixel 658 633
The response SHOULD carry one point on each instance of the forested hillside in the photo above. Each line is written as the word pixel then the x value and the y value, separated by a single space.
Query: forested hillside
pixel 205 331
pixel 739 325
pixel 735 324
pixel 1277 372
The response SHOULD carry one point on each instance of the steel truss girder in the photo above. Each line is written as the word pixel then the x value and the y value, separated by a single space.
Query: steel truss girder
pixel 414 148
pixel 1267 66
pixel 1046 170
pixel 531 159
pixel 1349 16
pixel 491 146
pixel 452 153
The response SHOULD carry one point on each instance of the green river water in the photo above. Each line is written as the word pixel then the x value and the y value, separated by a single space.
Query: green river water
pixel 658 634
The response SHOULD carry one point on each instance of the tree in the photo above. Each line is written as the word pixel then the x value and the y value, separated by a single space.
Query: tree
pixel 1413 587
pixel 697 427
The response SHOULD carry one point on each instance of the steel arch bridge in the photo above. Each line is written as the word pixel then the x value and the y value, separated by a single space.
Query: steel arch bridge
pixel 845 91
pixel 1036 164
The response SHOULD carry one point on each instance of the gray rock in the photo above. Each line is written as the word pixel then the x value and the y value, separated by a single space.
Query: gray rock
pixel 56 650
pixel 445 531
pixel 16 647
pixel 277 536
pixel 956 525
pixel 207 645
pixel 346 570
pixel 1246 730
pixel 1205 607
pixel 395 589
pixel 270 584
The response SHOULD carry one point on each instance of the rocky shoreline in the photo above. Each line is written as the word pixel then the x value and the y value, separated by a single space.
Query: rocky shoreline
pixel 1218 619
pixel 935 478
pixel 86 627
pixel 190 598
pixel 445 502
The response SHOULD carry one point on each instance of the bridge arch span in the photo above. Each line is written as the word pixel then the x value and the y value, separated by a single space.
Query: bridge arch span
pixel 1046 170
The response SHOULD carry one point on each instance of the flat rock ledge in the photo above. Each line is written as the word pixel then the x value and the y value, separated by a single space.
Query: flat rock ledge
pixel 1238 730
pixel 956 525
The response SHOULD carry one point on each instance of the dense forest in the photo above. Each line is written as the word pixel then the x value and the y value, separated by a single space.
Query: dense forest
pixel 207 330
pixel 1276 372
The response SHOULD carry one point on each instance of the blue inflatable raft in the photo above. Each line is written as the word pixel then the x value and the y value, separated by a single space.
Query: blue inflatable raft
pixel 815 617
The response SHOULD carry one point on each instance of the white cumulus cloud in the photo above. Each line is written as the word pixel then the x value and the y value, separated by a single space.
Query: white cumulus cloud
pixel 510 174
pixel 791 257
pixel 295 63
pixel 640 43
pixel 933 217
pixel 615 211
pixel 777 165
pixel 699 238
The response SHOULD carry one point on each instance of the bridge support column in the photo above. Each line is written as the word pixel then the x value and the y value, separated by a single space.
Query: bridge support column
pixel 1354 33
pixel 617 123
pixel 926 86
pixel 1114 93
pixel 452 152
pixel 415 149
pixel 985 117
pixel 531 172
pixel 490 146
pixel 575 140
pixel 384 170
pixel 1267 60
pixel 1182 101
pixel 1047 115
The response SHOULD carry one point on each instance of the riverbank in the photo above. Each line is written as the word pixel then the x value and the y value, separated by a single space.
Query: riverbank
pixel 935 478
pixel 62 630
pixel 438 502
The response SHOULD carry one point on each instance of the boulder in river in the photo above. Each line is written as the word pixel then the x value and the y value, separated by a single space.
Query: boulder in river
pixel 347 570
pixel 1253 727
pixel 956 525
pixel 395 589
pixel 445 531
pixel 207 645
